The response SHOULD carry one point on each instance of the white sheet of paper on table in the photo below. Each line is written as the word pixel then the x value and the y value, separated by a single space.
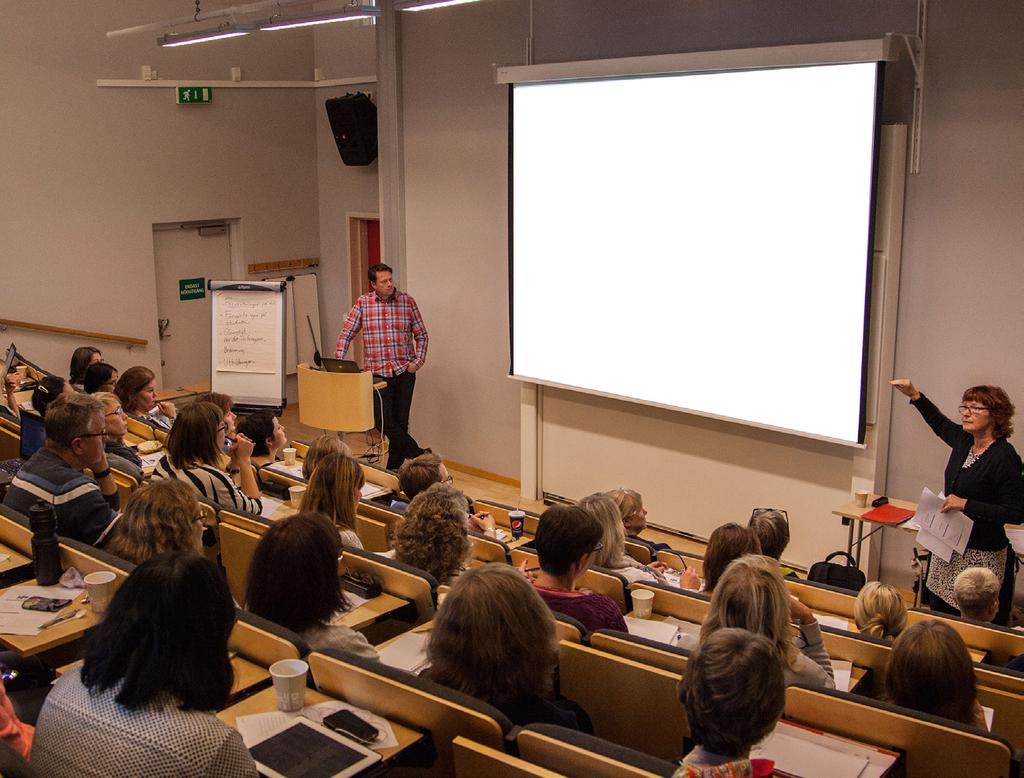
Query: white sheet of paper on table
pixel 280 467
pixel 794 754
pixel 661 631
pixel 832 621
pixel 4 557
pixel 270 506
pixel 842 671
pixel 15 620
pixel 408 652
pixel 989 715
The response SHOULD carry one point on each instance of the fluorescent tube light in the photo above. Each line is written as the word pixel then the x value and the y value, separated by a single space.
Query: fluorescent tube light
pixel 426 5
pixel 227 30
pixel 348 14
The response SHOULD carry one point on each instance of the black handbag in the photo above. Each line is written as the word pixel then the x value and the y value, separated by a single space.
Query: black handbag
pixel 845 576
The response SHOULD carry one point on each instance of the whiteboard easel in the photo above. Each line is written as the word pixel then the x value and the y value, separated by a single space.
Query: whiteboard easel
pixel 248 342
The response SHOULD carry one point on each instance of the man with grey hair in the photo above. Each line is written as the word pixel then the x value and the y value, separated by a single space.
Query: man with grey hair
pixel 976 591
pixel 86 507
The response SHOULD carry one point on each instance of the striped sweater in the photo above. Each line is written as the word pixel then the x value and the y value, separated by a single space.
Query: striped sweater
pixel 211 483
pixel 83 512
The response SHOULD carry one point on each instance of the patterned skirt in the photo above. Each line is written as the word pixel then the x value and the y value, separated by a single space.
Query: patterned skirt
pixel 941 573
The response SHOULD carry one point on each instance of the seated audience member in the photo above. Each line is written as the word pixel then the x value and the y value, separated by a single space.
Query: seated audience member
pixel 47 391
pixel 880 611
pixel 9 402
pixel 567 540
pixel 333 490
pixel 158 517
pixel 195 447
pixel 136 389
pixel 433 536
pixel 120 455
pixel 81 358
pixel 14 732
pixel 771 526
pixel 226 403
pixel 613 554
pixel 494 639
pixel 418 474
pixel 86 506
pixel 293 581
pixel 931 671
pixel 728 542
pixel 976 591
pixel 155 668
pixel 734 692
pixel 321 446
pixel 634 518
pixel 267 435
pixel 99 377
pixel 751 595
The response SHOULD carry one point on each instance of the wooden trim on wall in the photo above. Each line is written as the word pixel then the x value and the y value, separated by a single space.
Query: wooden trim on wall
pixel 470 470
pixel 25 325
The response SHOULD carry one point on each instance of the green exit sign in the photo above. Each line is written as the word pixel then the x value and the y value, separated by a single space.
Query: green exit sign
pixel 189 95
pixel 191 288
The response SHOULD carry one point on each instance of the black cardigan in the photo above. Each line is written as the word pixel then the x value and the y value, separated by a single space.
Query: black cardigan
pixel 992 486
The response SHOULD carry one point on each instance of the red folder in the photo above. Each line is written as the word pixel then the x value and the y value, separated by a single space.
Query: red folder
pixel 887 514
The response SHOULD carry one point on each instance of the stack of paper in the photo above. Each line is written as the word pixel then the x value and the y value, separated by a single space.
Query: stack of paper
pixel 661 631
pixel 295 471
pixel 15 620
pixel 408 652
pixel 270 506
pixel 941 533
pixel 798 751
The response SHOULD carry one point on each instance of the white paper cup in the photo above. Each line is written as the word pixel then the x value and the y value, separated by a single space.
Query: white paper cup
pixel 101 589
pixel 862 499
pixel 643 603
pixel 289 683
pixel 289 456
pixel 295 495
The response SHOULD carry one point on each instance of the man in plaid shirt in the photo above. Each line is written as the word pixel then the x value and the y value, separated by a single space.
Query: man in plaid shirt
pixel 395 347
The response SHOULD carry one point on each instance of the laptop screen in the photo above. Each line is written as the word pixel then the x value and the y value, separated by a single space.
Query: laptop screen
pixel 33 434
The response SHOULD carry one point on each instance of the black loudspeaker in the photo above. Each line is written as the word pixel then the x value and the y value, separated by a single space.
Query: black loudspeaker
pixel 353 121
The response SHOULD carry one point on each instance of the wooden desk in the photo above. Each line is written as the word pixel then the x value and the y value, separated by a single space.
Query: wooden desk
pixel 372 611
pixel 181 392
pixel 853 515
pixel 51 637
pixel 266 702
pixel 16 559
pixel 247 674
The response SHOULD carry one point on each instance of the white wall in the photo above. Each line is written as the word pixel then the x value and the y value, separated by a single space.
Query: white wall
pixel 88 171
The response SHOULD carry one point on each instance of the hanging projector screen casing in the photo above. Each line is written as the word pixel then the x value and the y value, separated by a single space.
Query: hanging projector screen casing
pixel 698 242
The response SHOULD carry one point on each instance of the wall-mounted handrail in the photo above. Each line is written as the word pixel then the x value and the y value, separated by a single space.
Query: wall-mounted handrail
pixel 25 325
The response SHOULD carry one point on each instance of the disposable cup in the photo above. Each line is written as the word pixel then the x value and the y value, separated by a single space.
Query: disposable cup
pixel 289 456
pixel 101 589
pixel 289 683
pixel 295 495
pixel 643 603
pixel 862 499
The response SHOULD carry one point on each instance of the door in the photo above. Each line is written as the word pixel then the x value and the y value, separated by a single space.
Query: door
pixel 363 253
pixel 186 257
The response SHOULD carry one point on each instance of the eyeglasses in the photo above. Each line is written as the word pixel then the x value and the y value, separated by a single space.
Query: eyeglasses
pixel 972 409
pixel 92 434
pixel 222 428
pixel 761 511
pixel 598 547
pixel 118 411
pixel 449 480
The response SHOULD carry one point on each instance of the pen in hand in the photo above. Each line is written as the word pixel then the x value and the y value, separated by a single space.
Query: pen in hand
pixel 73 614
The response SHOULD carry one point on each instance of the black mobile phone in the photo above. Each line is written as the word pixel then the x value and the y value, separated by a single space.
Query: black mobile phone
pixel 48 604
pixel 348 723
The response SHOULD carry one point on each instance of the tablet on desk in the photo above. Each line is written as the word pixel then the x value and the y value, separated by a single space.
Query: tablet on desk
pixel 305 748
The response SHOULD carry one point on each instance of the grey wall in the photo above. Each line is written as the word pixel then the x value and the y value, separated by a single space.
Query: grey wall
pixel 86 172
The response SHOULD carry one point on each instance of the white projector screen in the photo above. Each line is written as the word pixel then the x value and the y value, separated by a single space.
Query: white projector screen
pixel 698 241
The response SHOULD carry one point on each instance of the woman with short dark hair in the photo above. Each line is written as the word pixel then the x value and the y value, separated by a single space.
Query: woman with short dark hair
pixel 494 639
pixel 155 668
pixel 99 377
pixel 195 449
pixel 293 581
pixel 728 542
pixel 47 391
pixel 267 435
pixel 81 358
pixel 136 389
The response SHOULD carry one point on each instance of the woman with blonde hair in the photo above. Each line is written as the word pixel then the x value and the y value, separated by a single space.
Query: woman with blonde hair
pixel 931 671
pixel 634 517
pixel 322 445
pixel 613 552
pixel 752 596
pixel 880 611
pixel 434 535
pixel 334 490
pixel 161 516
pixel 494 639
pixel 120 455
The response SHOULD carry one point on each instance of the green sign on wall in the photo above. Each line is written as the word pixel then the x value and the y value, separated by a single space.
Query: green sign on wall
pixel 194 95
pixel 191 288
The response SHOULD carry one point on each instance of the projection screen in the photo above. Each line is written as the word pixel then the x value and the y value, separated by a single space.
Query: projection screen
pixel 698 241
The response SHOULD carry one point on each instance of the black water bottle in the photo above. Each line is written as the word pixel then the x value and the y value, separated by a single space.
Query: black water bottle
pixel 45 546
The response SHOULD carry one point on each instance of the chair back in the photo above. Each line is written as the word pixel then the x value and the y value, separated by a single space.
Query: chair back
pixel 1002 643
pixel 682 560
pixel 862 650
pixel 372 534
pixel 638 551
pixel 630 703
pixel 395 578
pixel 126 484
pixel 682 604
pixel 932 745
pixel 822 598
pixel 500 513
pixel 638 649
pixel 378 476
pixel 578 755
pixel 413 701
pixel 240 533
pixel 568 628
pixel 473 760
pixel 486 549
pixel 10 442
pixel 140 429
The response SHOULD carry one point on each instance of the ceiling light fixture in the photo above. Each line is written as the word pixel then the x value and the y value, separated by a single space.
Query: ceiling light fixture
pixel 347 14
pixel 225 30
pixel 426 5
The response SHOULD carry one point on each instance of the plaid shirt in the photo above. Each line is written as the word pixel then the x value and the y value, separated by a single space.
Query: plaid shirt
pixel 389 328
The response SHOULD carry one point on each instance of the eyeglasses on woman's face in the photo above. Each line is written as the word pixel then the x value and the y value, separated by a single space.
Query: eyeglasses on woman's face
pixel 973 410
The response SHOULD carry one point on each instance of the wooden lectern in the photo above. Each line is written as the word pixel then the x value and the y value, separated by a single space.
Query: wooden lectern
pixel 341 402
